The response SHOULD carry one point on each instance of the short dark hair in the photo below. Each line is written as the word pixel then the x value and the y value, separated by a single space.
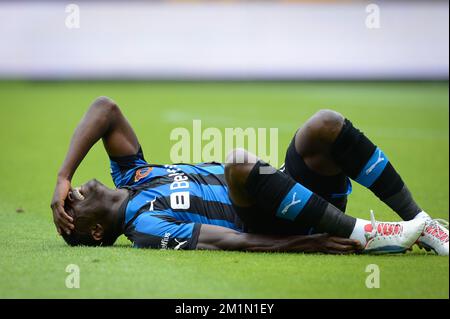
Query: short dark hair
pixel 81 234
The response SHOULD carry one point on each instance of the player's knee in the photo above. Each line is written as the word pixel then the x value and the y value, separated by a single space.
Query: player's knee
pixel 326 124
pixel 238 166
pixel 329 119
pixel 236 175
pixel 239 156
pixel 241 160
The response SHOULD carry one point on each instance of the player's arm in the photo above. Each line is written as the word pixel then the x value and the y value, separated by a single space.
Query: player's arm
pixel 220 238
pixel 105 121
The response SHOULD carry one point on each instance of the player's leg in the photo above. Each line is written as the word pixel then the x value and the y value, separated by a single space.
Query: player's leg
pixel 307 163
pixel 262 198
pixel 239 164
pixel 329 143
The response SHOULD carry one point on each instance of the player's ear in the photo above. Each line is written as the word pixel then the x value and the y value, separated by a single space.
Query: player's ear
pixel 97 232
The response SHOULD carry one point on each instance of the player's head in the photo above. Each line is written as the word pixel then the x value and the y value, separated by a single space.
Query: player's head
pixel 91 208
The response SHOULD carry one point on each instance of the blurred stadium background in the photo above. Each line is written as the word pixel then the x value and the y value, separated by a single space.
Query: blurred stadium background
pixel 231 64
pixel 238 40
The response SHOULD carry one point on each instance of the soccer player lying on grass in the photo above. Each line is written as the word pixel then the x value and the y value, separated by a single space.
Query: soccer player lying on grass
pixel 242 205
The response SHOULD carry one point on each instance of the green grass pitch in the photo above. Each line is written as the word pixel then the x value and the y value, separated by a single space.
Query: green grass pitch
pixel 408 120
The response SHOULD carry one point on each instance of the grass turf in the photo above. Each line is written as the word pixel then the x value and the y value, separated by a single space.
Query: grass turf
pixel 408 120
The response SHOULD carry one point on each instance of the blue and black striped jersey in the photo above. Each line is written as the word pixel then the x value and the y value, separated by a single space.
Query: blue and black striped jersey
pixel 168 203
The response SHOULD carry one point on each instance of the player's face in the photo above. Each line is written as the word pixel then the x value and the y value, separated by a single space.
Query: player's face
pixel 90 197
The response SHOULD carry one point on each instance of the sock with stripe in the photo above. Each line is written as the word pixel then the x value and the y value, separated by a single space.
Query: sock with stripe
pixel 278 195
pixel 365 163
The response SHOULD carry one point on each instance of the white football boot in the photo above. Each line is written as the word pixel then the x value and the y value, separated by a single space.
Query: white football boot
pixel 435 236
pixel 392 237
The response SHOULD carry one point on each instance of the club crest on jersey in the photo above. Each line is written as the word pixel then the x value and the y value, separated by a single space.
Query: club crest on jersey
pixel 142 173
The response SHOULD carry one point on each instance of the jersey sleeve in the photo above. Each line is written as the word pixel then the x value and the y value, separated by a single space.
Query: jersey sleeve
pixel 163 232
pixel 125 169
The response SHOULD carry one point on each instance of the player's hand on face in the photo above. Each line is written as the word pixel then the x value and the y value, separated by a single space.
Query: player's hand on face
pixel 63 222
pixel 338 245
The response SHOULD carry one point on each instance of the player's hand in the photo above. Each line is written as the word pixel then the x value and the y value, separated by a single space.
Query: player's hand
pixel 63 222
pixel 337 245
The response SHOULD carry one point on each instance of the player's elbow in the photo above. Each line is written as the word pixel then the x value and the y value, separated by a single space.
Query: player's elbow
pixel 105 105
pixel 103 111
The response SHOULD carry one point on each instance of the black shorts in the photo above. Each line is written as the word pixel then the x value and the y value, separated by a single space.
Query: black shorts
pixel 333 189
